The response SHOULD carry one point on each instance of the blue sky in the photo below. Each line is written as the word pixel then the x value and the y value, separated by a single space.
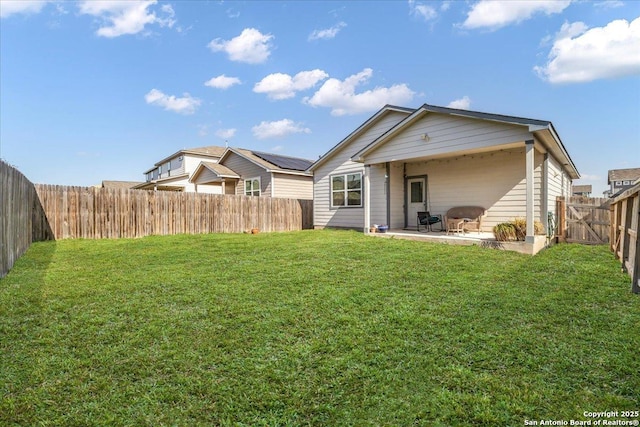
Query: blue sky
pixel 101 90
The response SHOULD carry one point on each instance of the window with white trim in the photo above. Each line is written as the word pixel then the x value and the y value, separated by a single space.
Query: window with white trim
pixel 346 190
pixel 252 187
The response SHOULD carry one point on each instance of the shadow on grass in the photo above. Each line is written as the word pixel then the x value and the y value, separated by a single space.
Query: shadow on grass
pixel 21 325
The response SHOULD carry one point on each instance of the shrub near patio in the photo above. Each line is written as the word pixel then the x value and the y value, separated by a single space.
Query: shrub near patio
pixel 515 230
pixel 312 328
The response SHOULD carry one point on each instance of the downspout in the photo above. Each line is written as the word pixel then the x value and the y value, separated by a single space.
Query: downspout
pixel 367 199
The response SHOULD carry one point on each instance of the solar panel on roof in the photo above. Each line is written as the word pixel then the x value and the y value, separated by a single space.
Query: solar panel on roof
pixel 285 162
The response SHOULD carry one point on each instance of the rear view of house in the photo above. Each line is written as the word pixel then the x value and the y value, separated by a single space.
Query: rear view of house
pixel 403 160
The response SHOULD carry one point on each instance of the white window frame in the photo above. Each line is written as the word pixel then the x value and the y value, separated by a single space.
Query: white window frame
pixel 253 190
pixel 345 191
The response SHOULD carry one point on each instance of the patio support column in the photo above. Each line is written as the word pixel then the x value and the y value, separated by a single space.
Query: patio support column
pixel 367 199
pixel 544 203
pixel 529 179
pixel 387 183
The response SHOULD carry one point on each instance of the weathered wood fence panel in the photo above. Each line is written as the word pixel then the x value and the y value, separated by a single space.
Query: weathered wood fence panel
pixel 584 220
pixel 625 224
pixel 81 212
pixel 22 220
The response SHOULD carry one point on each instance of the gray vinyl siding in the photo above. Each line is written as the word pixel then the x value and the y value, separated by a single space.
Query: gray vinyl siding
pixel 378 194
pixel 447 134
pixel 495 181
pixel 555 182
pixel 293 186
pixel 205 176
pixel 248 170
pixel 339 163
pixel 396 183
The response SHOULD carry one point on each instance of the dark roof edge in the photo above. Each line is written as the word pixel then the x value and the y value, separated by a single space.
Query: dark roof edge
pixel 486 116
pixel 363 126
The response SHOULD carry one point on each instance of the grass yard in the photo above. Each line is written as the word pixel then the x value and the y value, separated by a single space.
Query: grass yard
pixel 313 328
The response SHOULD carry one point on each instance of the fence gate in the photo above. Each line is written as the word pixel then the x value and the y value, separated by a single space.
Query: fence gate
pixel 586 219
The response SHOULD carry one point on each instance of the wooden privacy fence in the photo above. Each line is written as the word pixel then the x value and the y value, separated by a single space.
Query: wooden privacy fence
pixel 625 224
pixel 94 213
pixel 583 220
pixel 22 220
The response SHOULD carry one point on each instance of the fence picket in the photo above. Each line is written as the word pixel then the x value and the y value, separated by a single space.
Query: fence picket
pixel 96 213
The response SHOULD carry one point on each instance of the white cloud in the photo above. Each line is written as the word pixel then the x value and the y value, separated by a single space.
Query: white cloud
pixel 278 129
pixel 327 33
pixel 609 4
pixel 126 17
pixel 251 46
pixel 203 130
pixel 11 7
pixel 185 105
pixel 423 11
pixel 463 103
pixel 581 55
pixel 283 86
pixel 494 14
pixel 342 98
pixel 222 82
pixel 225 133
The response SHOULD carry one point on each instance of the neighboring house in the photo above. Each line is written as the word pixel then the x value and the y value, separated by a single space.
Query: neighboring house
pixel 582 190
pixel 254 173
pixel 621 179
pixel 120 184
pixel 220 170
pixel 172 173
pixel 404 160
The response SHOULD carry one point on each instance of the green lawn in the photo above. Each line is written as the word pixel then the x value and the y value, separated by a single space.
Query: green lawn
pixel 313 328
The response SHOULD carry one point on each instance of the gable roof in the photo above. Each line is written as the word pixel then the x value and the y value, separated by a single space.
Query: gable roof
pixel 119 184
pixel 210 151
pixel 362 128
pixel 623 175
pixel 271 162
pixel 585 188
pixel 533 125
pixel 219 170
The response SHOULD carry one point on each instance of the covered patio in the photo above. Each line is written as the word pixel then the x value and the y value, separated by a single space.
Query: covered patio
pixel 483 239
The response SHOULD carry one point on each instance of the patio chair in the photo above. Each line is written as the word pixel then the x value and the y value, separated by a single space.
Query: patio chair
pixel 426 220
